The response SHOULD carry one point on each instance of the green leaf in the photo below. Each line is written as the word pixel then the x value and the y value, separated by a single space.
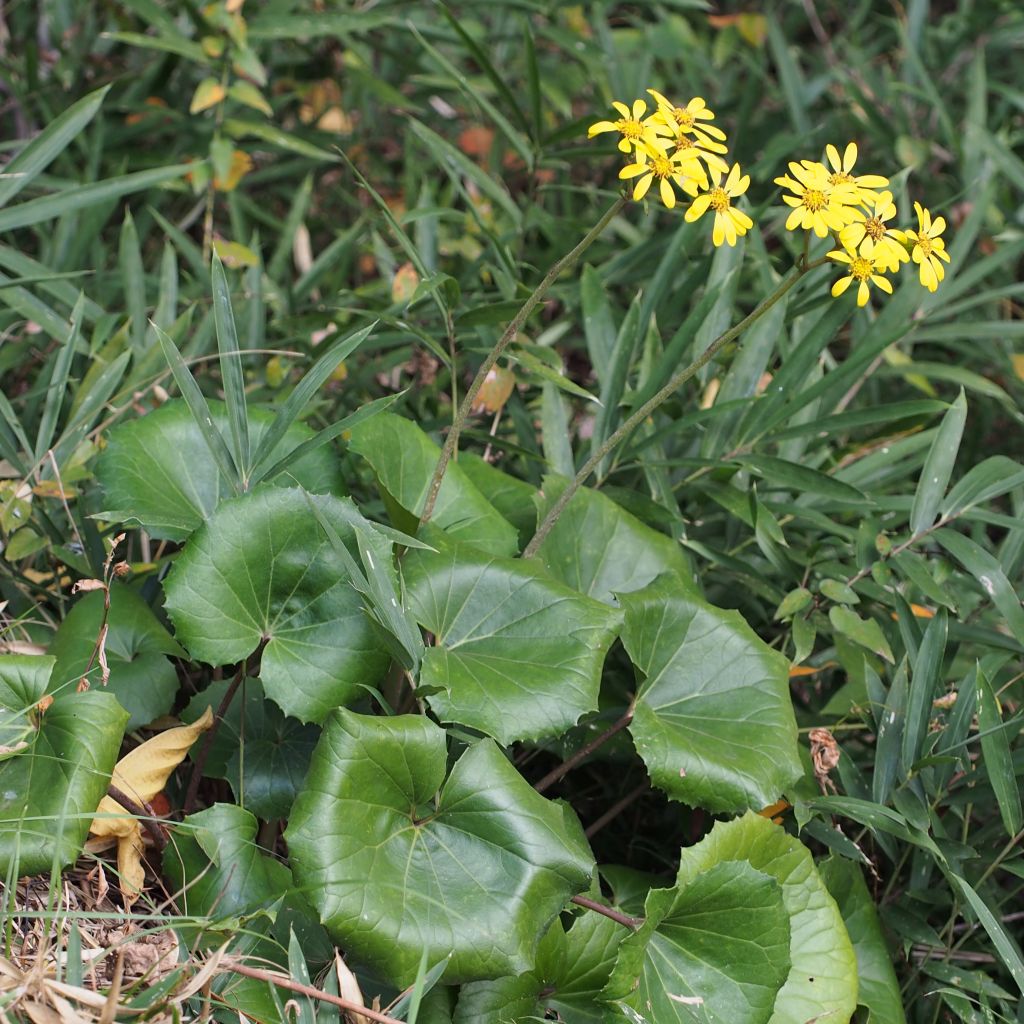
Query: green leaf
pixel 836 590
pixel 512 497
pixel 262 753
pixel 247 93
pixel 45 147
pixel 158 472
pixel 878 990
pixel 230 367
pixel 713 719
pixel 517 654
pixel 261 570
pixel 1005 946
pixel 216 867
pixel 572 969
pixel 133 283
pixel 865 632
pixel 50 790
pixel 58 383
pixel 23 680
pixel 938 466
pixel 987 480
pixel 924 684
pixel 35 211
pixel 822 981
pixel 995 746
pixel 403 457
pixel 239 129
pixel 716 948
pixel 802 479
pixel 138 648
pixel 267 449
pixel 986 569
pixel 599 549
pixel 480 863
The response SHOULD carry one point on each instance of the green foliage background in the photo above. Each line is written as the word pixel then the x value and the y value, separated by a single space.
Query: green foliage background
pixel 821 530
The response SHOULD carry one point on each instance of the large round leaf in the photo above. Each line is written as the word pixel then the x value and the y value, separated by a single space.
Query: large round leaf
pixel 401 862
pixel 879 988
pixel 51 787
pixel 261 752
pixel 822 981
pixel 713 722
pixel 517 655
pixel 262 569
pixel 142 677
pixel 568 980
pixel 602 550
pixel 713 949
pixel 403 457
pixel 158 471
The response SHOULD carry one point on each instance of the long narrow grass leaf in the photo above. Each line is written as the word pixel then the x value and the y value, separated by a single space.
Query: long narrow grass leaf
pixel 230 367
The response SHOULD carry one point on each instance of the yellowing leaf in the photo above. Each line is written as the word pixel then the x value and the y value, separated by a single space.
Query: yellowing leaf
pixel 140 775
pixel 404 283
pixel 495 390
pixel 239 167
pixel 247 93
pixel 234 254
pixel 1018 364
pixel 208 94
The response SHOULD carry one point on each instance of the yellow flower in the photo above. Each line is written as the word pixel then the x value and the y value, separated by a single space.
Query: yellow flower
pixel 632 126
pixel 686 120
pixel 859 187
pixel 682 168
pixel 863 269
pixel 730 223
pixel 869 235
pixel 818 205
pixel 929 248
pixel 706 150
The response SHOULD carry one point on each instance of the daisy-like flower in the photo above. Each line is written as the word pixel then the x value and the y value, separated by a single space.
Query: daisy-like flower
pixel 863 269
pixel 818 205
pixel 687 120
pixel 929 248
pixel 870 236
pixel 859 186
pixel 706 150
pixel 631 125
pixel 730 223
pixel 682 169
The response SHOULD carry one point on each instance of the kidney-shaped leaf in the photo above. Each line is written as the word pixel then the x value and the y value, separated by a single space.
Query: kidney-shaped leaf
pixel 401 862
pixel 262 568
pixel 50 789
pixel 568 980
pixel 713 720
pixel 822 981
pixel 713 949
pixel 600 549
pixel 403 457
pixel 23 679
pixel 158 470
pixel 137 646
pixel 517 655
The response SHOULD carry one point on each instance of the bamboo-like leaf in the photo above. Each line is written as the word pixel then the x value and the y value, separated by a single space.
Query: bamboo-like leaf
pixel 58 384
pixel 35 211
pixel 938 466
pixel 48 145
pixel 995 746
pixel 133 282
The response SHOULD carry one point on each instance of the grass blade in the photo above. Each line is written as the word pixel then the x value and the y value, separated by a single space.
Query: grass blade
pixel 995 748
pixel 231 366
pixel 35 211
pixel 133 282
pixel 303 392
pixel 200 411
pixel 58 384
pixel 48 144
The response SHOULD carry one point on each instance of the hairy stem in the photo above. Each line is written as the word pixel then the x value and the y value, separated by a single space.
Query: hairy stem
pixel 673 385
pixel 451 443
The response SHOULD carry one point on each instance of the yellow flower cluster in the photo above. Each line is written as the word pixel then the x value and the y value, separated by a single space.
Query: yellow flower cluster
pixel 832 199
pixel 678 147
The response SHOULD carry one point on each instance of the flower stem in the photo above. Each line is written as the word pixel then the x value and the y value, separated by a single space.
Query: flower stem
pixel 674 383
pixel 451 443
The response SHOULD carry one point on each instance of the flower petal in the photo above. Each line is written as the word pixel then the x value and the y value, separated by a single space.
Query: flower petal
pixel 840 286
